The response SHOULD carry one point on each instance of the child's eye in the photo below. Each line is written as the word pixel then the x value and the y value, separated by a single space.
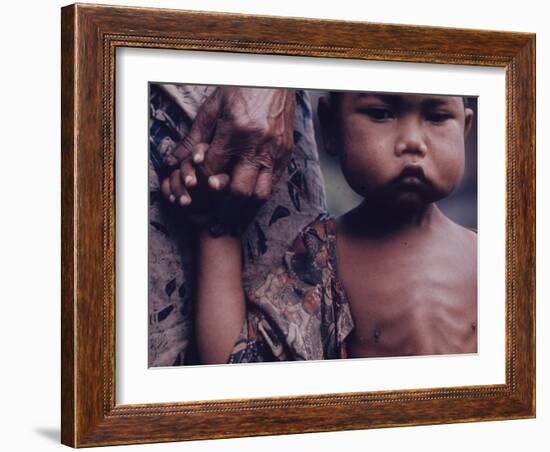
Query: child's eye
pixel 438 117
pixel 379 113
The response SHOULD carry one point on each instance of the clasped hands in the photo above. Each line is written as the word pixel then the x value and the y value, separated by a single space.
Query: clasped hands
pixel 238 146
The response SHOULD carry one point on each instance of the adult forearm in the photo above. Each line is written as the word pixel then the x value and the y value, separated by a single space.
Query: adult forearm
pixel 220 311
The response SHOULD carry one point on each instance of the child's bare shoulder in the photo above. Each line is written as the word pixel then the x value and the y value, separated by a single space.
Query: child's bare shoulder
pixel 466 235
pixel 462 240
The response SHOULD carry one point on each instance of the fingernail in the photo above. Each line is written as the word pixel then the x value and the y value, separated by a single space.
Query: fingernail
pixel 188 180
pixel 184 200
pixel 197 158
pixel 171 198
pixel 214 181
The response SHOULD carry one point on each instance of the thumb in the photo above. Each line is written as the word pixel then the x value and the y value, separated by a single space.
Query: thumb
pixel 201 130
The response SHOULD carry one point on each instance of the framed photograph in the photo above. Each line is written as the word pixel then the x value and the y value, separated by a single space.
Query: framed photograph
pixel 282 225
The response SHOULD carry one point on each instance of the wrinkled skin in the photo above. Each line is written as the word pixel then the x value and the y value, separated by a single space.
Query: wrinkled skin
pixel 241 139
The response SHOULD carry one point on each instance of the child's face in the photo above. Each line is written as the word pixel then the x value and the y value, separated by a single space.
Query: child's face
pixel 402 149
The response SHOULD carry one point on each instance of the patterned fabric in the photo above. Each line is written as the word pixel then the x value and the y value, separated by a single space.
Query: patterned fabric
pixel 297 199
pixel 300 311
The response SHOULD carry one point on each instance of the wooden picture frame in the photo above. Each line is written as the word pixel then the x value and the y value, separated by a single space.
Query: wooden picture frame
pixel 90 36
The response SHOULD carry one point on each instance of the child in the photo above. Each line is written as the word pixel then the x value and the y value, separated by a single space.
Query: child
pixel 392 277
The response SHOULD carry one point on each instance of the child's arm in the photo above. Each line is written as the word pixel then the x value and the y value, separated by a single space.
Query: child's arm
pixel 220 304
pixel 220 310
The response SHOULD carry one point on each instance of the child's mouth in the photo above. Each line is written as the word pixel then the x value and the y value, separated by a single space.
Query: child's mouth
pixel 411 180
pixel 412 176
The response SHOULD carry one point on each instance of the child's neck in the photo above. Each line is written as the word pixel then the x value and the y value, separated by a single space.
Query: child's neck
pixel 371 221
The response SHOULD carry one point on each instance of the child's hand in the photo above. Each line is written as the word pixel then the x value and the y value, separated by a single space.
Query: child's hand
pixel 201 197
pixel 207 202
pixel 176 188
pixel 182 186
pixel 245 132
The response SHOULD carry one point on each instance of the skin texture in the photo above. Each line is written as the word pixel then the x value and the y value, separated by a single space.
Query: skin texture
pixel 408 271
pixel 240 142
pixel 241 139
pixel 412 291
pixel 220 311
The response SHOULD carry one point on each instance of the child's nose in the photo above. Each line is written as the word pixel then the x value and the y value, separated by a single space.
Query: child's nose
pixel 410 139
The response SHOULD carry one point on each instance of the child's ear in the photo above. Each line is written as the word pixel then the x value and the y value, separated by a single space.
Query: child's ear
pixel 327 119
pixel 468 119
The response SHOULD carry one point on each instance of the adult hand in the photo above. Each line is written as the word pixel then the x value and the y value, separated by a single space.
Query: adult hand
pixel 244 132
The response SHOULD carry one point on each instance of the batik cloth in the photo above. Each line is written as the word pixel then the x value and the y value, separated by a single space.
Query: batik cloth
pixel 300 311
pixel 297 199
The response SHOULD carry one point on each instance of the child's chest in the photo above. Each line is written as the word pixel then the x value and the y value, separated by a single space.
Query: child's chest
pixel 411 299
